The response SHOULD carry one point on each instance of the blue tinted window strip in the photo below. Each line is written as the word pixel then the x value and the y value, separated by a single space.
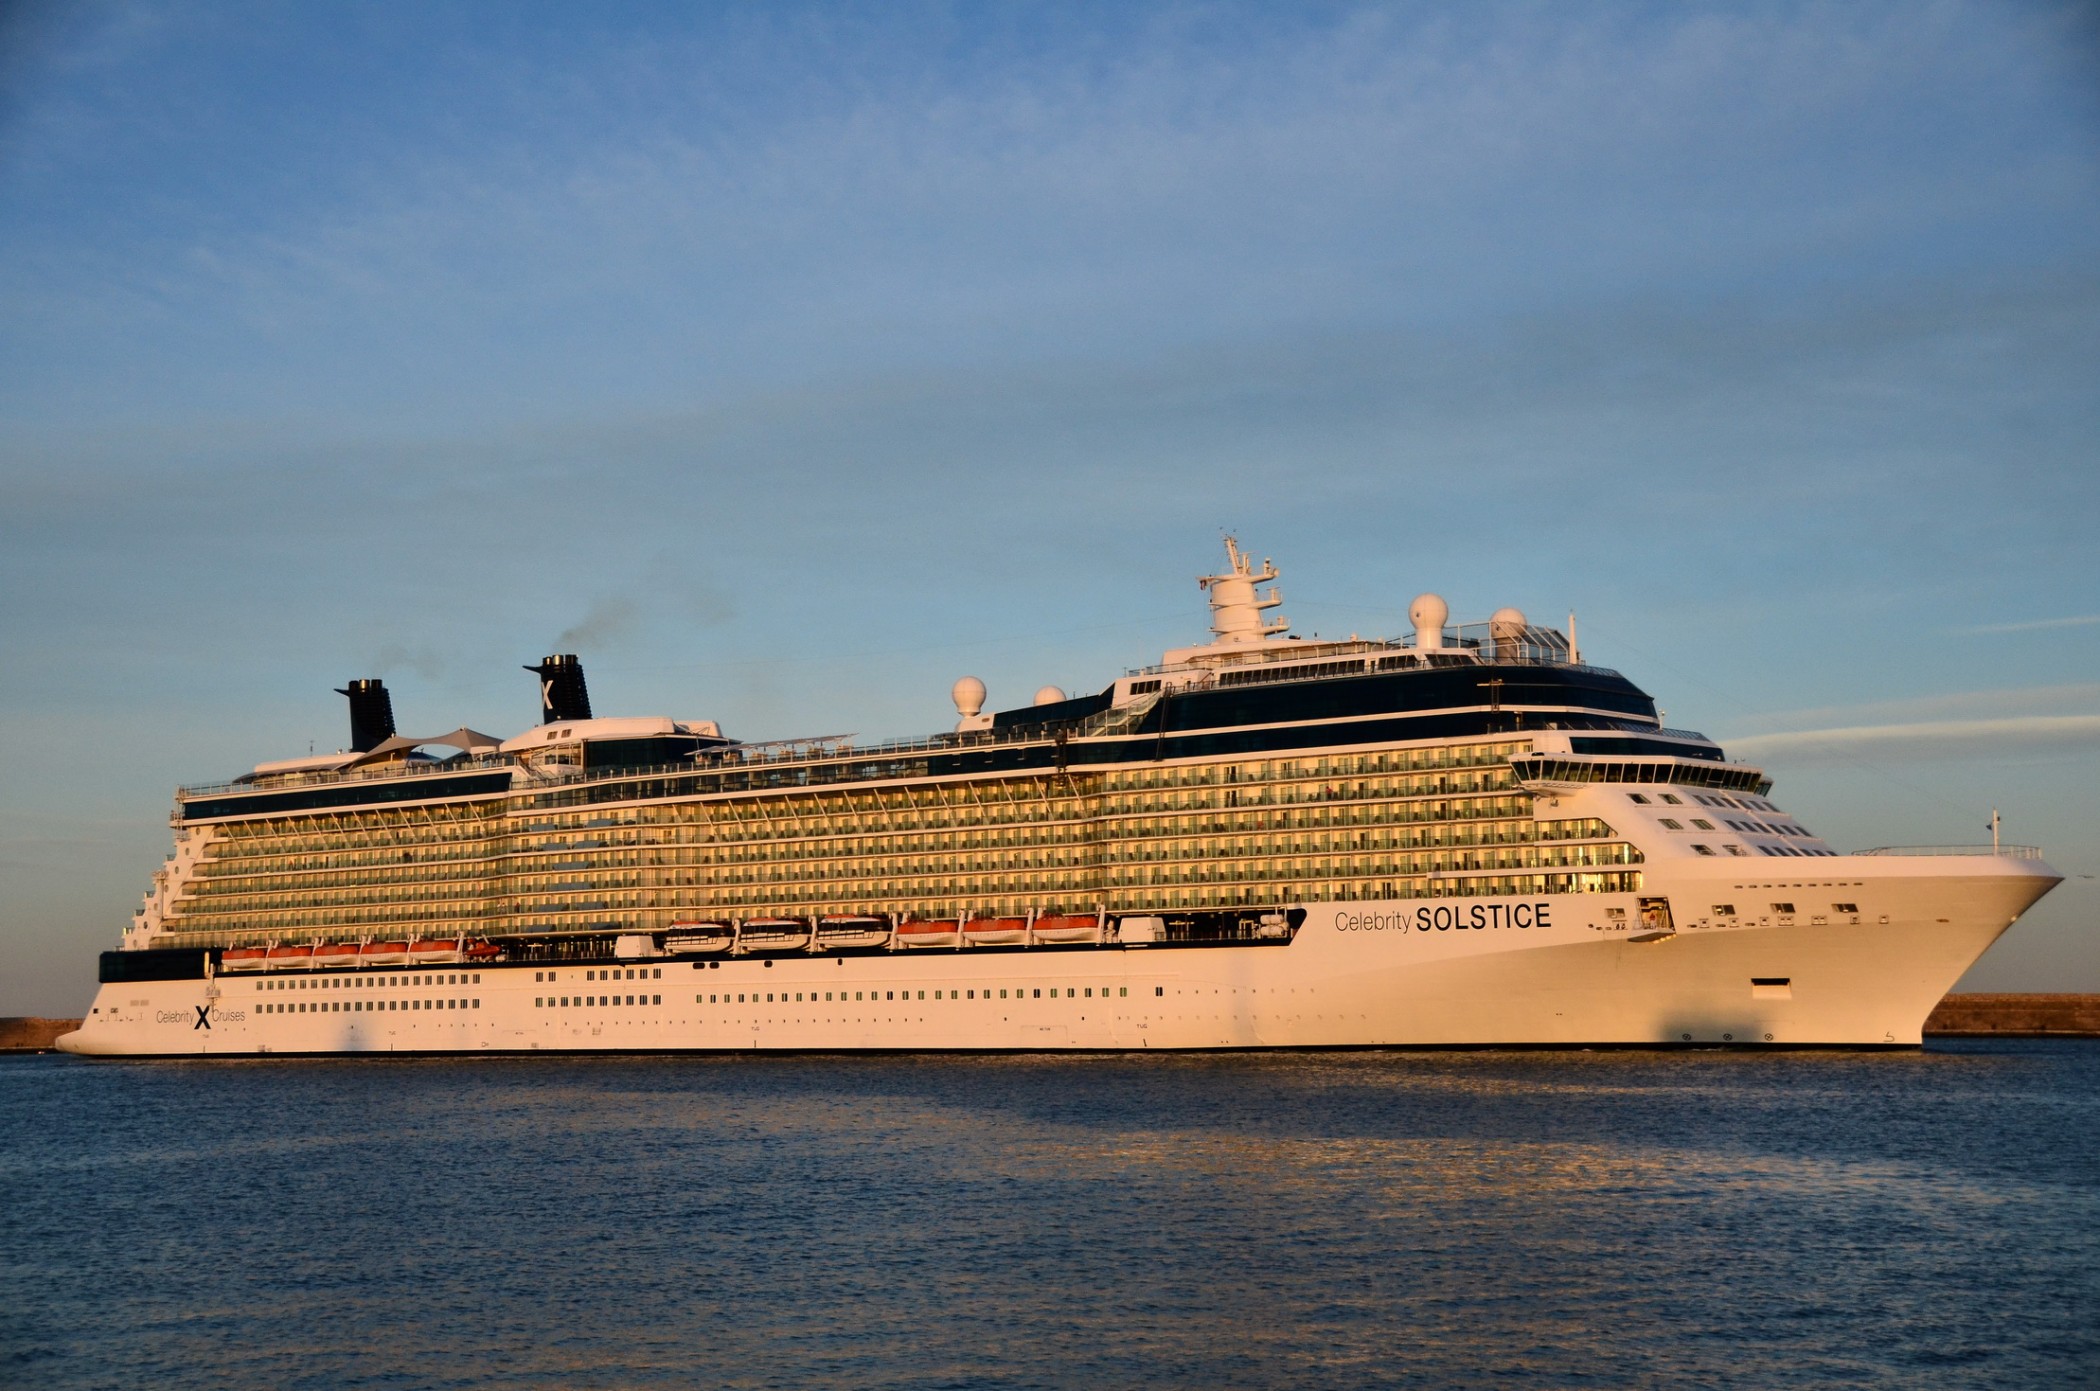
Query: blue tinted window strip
pixel 379 791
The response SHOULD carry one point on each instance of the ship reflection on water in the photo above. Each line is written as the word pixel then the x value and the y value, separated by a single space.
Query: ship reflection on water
pixel 1344 1220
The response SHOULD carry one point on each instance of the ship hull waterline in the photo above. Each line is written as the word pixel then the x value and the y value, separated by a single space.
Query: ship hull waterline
pixel 1555 971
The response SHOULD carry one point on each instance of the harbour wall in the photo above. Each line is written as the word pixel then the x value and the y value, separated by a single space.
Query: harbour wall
pixel 1956 1016
pixel 31 1035
pixel 2015 1016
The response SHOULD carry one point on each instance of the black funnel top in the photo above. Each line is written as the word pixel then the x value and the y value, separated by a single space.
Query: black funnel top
pixel 371 715
pixel 563 695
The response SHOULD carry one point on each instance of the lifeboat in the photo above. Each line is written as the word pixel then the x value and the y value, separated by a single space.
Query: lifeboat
pixel 918 932
pixel 995 932
pixel 428 951
pixel 383 953
pixel 851 933
pixel 282 957
pixel 243 958
pixel 336 954
pixel 483 951
pixel 773 934
pixel 698 938
pixel 1068 927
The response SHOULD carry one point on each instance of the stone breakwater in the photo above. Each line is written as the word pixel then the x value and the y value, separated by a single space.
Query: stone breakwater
pixel 30 1035
pixel 2029 1016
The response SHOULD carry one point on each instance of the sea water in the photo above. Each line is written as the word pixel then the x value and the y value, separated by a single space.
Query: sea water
pixel 1236 1220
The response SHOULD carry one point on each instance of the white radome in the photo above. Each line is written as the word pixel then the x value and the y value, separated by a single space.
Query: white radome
pixel 968 695
pixel 1049 695
pixel 1428 613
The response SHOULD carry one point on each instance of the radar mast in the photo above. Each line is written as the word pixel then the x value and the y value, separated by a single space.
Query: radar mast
pixel 1236 606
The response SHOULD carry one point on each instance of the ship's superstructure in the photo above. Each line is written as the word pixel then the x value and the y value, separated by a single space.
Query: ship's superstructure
pixel 1464 835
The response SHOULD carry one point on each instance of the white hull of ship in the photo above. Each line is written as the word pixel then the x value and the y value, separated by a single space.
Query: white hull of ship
pixel 1550 971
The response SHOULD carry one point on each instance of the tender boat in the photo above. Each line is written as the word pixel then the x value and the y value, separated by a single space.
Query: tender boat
pixel 336 954
pixel 852 933
pixel 383 953
pixel 995 932
pixel 773 934
pixel 1068 927
pixel 243 958
pixel 479 952
pixel 699 938
pixel 428 951
pixel 282 957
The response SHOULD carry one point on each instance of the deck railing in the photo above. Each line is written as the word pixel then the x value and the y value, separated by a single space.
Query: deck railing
pixel 2015 852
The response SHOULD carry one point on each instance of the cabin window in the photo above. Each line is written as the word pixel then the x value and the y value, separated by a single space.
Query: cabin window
pixel 1122 990
pixel 1784 909
pixel 1704 849
pixel 1637 797
pixel 1672 824
pixel 1159 990
pixel 1672 799
pixel 1702 823
pixel 1844 907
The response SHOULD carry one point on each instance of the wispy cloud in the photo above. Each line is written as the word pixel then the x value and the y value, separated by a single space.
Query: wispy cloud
pixel 1957 707
pixel 2036 624
pixel 1946 738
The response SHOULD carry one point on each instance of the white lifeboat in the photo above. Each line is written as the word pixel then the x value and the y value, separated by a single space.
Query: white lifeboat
pixel 699 938
pixel 773 934
pixel 851 932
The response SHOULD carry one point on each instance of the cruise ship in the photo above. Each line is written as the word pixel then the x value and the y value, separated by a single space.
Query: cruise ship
pixel 1464 836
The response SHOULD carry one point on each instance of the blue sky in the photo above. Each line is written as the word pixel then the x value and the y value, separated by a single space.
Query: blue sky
pixel 789 362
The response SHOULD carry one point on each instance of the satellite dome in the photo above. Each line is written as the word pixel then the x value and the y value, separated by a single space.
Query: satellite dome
pixel 1507 628
pixel 1428 613
pixel 1049 695
pixel 968 695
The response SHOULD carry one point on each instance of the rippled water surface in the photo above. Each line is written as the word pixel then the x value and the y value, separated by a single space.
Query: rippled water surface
pixel 1345 1220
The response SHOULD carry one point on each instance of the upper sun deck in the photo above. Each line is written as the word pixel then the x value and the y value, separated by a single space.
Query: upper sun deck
pixel 1499 676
